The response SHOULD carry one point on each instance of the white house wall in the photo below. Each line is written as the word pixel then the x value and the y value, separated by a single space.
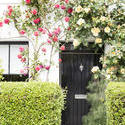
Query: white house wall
pixel 9 33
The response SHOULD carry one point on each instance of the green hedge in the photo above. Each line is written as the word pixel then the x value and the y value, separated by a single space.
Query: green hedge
pixel 115 102
pixel 32 103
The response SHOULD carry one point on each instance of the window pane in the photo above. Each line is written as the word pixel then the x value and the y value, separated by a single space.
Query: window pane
pixel 4 56
pixel 15 63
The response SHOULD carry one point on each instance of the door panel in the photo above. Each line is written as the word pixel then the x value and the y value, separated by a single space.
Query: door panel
pixel 76 80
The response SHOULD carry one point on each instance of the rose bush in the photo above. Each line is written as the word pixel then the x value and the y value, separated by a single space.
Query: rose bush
pixel 103 23
pixel 34 21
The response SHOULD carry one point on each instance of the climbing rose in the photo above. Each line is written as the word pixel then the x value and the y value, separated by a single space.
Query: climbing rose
pixel 41 66
pixel 49 41
pixel 6 21
pixel 68 28
pixel 37 68
pixel 36 21
pixel 21 49
pixel 63 7
pixel 50 34
pixel 9 7
pixel 60 60
pixel 57 6
pixel 66 1
pixel 9 13
pixel 40 29
pixel 44 50
pixel 23 60
pixel 47 67
pixel 34 11
pixel 67 19
pixel 62 47
pixel 28 1
pixel 22 32
pixel 55 39
pixel 22 71
pixel 19 56
pixel 57 31
pixel 70 10
pixel 36 33
pixel 44 31
pixel 1 24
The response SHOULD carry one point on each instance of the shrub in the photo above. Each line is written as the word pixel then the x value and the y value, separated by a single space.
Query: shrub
pixel 96 97
pixel 1 72
pixel 115 102
pixel 32 103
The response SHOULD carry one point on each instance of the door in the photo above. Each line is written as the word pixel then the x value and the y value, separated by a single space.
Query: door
pixel 75 73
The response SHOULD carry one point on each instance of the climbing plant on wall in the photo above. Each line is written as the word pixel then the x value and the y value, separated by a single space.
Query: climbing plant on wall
pixel 103 23
pixel 34 19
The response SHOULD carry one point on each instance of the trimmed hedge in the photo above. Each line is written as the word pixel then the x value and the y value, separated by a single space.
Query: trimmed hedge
pixel 115 102
pixel 32 103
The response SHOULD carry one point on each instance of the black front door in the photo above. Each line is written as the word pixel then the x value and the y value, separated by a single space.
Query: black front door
pixel 75 72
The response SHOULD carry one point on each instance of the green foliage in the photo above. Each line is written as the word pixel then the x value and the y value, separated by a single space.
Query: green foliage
pixel 1 72
pixel 97 113
pixel 115 102
pixel 32 103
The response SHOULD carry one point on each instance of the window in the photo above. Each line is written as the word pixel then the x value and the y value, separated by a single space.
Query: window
pixel 10 63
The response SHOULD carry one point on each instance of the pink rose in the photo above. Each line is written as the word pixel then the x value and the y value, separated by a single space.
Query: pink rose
pixel 55 39
pixel 60 60
pixel 57 6
pixel 44 31
pixel 28 1
pixel 40 29
pixel 21 49
pixel 37 68
pixel 63 7
pixel 50 34
pixel 23 60
pixel 70 10
pixel 66 1
pixel 57 31
pixel 1 24
pixel 6 21
pixel 44 50
pixel 68 28
pixel 36 21
pixel 62 47
pixel 19 56
pixel 34 11
pixel 49 41
pixel 22 32
pixel 9 13
pixel 9 7
pixel 36 33
pixel 41 66
pixel 22 71
pixel 47 67
pixel 67 19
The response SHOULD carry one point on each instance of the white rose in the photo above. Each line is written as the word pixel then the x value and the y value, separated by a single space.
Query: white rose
pixel 98 40
pixel 95 69
pixel 80 21
pixel 107 29
pixel 76 43
pixel 79 9
pixel 102 18
pixel 86 10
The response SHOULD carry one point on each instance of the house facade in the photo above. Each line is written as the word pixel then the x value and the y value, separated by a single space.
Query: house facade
pixel 11 41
